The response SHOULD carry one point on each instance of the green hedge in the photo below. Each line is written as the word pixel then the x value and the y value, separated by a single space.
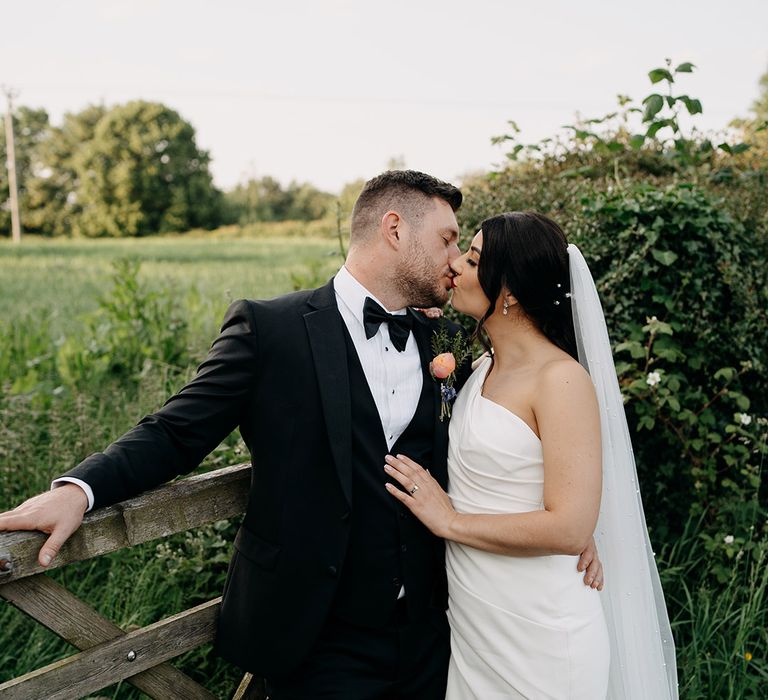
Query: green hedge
pixel 685 292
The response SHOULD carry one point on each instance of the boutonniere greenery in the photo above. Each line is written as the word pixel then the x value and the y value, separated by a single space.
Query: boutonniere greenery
pixel 449 354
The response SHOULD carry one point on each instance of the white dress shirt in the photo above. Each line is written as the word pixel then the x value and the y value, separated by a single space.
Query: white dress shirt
pixel 394 378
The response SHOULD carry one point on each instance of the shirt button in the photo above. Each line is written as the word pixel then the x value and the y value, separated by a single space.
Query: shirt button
pixel 402 515
pixel 396 581
pixel 386 348
pixel 403 547
pixel 332 571
pixel 393 391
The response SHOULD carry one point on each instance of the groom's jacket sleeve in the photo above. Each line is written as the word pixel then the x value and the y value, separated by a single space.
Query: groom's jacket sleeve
pixel 175 439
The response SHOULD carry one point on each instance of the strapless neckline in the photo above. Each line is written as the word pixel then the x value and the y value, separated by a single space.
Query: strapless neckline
pixel 498 405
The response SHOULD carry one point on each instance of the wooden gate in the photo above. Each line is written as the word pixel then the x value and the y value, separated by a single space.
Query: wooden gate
pixel 107 653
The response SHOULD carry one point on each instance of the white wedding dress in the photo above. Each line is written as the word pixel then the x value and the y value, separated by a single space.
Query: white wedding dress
pixel 521 627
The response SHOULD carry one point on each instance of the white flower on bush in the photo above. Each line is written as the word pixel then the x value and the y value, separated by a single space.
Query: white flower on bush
pixel 744 418
pixel 653 378
pixel 728 539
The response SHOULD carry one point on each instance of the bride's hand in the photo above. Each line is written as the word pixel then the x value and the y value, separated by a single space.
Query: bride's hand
pixel 422 495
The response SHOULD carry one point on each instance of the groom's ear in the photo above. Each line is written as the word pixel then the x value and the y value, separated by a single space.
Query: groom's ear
pixel 391 224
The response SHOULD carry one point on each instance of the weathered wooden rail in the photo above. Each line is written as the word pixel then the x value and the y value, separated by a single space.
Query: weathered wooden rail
pixel 108 654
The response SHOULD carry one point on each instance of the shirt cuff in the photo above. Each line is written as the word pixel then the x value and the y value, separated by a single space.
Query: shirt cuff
pixel 81 484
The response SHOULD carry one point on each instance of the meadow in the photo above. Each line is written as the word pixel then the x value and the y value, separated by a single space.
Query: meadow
pixel 96 334
pixel 64 278
pixel 56 298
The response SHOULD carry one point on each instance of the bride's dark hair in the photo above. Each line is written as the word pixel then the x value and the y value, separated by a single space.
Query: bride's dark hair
pixel 527 253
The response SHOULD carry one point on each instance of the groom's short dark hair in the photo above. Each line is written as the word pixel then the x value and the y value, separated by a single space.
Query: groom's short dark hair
pixel 405 191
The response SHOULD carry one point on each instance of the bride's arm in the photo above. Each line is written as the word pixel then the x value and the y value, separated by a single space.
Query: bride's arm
pixel 569 424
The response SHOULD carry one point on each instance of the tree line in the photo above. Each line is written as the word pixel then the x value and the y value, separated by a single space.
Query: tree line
pixel 134 169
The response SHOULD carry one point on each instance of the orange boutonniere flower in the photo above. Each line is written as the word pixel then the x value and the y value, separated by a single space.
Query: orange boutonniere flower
pixel 449 353
pixel 443 365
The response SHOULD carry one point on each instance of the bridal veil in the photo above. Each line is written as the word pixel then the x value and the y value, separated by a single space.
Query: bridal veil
pixel 642 649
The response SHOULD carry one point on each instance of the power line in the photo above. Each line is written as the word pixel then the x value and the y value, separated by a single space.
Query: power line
pixel 265 96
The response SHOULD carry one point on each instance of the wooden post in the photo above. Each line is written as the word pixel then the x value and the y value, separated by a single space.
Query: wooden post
pixel 62 612
pixel 11 164
pixel 174 507
pixel 108 654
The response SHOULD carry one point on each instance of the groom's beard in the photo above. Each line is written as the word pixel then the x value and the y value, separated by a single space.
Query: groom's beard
pixel 418 280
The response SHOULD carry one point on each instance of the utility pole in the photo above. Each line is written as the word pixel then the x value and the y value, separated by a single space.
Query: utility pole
pixel 11 164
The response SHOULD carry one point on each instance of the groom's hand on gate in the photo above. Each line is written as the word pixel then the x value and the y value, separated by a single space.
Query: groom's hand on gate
pixel 592 566
pixel 57 513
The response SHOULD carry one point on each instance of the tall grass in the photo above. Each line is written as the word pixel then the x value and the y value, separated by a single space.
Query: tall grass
pixel 720 629
pixel 82 323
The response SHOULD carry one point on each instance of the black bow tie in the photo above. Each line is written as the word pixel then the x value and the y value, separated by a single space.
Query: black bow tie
pixel 399 325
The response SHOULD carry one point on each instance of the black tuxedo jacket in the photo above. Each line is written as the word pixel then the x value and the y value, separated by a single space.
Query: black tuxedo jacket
pixel 277 370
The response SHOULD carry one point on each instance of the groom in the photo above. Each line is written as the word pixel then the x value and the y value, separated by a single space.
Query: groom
pixel 334 589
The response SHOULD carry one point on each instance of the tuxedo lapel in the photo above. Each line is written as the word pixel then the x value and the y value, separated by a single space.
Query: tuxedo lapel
pixel 325 329
pixel 423 333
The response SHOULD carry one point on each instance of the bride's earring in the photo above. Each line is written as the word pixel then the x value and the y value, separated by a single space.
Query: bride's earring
pixel 506 307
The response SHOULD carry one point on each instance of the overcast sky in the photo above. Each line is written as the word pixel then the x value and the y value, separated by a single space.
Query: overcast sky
pixel 329 91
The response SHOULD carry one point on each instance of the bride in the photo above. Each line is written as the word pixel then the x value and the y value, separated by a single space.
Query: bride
pixel 539 460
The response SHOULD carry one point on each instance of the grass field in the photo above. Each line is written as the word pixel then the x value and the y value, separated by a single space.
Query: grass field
pixel 49 295
pixel 65 278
